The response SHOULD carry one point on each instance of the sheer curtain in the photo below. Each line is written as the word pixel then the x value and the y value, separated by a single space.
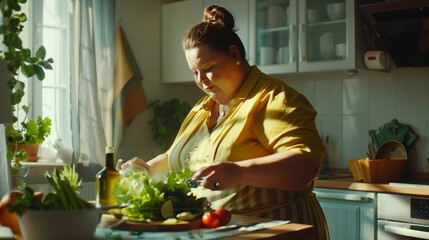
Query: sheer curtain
pixel 92 40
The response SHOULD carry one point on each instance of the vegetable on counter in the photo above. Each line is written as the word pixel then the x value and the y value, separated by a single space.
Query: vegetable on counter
pixel 148 199
pixel 216 218
pixel 65 196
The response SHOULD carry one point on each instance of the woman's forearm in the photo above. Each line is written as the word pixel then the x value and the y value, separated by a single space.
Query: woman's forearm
pixel 283 170
pixel 158 165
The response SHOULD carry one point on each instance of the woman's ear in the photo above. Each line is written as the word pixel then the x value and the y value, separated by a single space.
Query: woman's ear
pixel 235 54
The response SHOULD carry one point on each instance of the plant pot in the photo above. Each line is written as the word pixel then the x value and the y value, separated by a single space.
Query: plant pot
pixel 32 150
pixel 64 225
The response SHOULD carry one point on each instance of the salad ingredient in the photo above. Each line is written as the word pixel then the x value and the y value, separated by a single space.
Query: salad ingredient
pixel 225 216
pixel 171 221
pixel 185 216
pixel 64 197
pixel 167 210
pixel 211 220
pixel 6 218
pixel 116 212
pixel 145 197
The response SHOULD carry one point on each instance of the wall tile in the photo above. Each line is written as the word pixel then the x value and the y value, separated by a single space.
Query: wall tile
pixel 383 93
pixel 354 137
pixel 355 95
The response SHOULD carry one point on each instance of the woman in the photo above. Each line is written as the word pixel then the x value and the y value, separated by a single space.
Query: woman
pixel 252 139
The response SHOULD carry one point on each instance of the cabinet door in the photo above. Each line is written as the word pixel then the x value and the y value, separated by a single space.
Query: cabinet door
pixel 326 35
pixel 177 17
pixel 240 11
pixel 350 214
pixel 273 34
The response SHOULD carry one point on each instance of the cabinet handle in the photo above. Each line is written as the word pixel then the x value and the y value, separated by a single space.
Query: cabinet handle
pixel 302 43
pixel 342 196
pixel 292 46
pixel 406 232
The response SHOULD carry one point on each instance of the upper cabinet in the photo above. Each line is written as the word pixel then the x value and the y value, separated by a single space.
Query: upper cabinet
pixel 177 17
pixel 280 36
pixel 304 35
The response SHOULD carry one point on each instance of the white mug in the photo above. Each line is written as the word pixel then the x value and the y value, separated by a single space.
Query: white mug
pixel 341 50
pixel 267 55
pixel 283 55
pixel 275 16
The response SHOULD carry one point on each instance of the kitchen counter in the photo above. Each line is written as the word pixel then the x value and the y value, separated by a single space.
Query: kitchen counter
pixel 350 184
pixel 284 231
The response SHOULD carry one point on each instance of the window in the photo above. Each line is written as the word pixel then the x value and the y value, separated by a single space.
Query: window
pixel 51 97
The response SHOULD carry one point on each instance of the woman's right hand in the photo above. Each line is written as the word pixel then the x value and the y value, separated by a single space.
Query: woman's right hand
pixel 136 161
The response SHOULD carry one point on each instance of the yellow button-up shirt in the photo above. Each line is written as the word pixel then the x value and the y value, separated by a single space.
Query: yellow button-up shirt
pixel 266 116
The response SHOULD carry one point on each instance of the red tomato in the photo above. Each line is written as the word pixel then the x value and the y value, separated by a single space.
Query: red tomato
pixel 225 216
pixel 211 220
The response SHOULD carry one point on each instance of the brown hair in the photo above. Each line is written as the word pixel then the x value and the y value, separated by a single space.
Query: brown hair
pixel 217 31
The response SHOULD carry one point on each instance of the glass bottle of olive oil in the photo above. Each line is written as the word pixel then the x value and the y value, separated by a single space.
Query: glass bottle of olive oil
pixel 106 180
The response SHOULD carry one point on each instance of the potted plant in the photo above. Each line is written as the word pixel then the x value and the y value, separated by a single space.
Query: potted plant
pixel 167 118
pixel 21 60
pixel 24 139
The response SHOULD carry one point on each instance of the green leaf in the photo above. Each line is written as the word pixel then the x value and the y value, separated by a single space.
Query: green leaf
pixel 28 70
pixel 39 72
pixel 45 65
pixel 41 52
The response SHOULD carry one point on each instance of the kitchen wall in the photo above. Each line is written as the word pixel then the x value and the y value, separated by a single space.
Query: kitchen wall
pixel 348 104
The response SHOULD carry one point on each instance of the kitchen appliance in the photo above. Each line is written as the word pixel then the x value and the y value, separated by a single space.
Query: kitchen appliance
pixel 403 28
pixel 402 217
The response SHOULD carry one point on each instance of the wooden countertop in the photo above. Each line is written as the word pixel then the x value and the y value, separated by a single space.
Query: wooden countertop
pixel 350 184
pixel 285 231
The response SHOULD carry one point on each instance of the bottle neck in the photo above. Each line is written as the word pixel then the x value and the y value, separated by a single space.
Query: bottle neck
pixel 110 160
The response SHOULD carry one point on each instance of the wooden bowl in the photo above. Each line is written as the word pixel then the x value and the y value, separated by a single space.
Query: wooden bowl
pixel 391 150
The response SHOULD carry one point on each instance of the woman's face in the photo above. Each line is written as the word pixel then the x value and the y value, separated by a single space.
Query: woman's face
pixel 216 73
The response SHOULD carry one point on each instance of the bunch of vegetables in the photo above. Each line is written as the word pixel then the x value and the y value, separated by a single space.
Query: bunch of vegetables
pixel 65 196
pixel 149 199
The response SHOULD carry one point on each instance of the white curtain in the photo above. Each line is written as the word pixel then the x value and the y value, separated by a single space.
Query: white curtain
pixel 92 41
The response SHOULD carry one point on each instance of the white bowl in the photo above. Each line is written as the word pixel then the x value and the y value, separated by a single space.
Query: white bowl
pixel 64 225
pixel 336 11
pixel 314 15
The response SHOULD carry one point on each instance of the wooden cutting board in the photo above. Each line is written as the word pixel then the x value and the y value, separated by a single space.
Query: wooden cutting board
pixel 157 226
pixel 110 221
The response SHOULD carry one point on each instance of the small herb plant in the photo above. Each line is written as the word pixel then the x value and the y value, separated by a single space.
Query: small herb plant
pixel 167 119
pixel 29 132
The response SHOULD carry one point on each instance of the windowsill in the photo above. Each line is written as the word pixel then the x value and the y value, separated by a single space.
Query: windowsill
pixel 38 169
pixel 43 164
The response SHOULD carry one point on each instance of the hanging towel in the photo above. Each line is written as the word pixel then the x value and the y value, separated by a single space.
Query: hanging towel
pixel 129 97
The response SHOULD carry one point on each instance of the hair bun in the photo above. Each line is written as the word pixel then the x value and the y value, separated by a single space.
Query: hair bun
pixel 218 15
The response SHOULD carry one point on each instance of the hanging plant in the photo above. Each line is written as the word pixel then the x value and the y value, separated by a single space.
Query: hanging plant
pixel 21 60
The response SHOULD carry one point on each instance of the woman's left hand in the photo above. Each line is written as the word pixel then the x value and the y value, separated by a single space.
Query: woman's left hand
pixel 219 176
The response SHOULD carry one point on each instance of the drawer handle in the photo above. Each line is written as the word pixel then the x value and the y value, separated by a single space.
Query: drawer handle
pixel 406 232
pixel 342 196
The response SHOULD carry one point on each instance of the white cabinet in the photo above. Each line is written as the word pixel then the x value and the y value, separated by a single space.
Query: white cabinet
pixel 177 17
pixel 300 36
pixel 350 215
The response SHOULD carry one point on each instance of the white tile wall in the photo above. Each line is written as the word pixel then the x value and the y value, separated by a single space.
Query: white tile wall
pixel 348 107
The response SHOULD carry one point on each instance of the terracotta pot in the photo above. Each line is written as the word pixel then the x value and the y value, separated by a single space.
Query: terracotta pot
pixel 31 151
